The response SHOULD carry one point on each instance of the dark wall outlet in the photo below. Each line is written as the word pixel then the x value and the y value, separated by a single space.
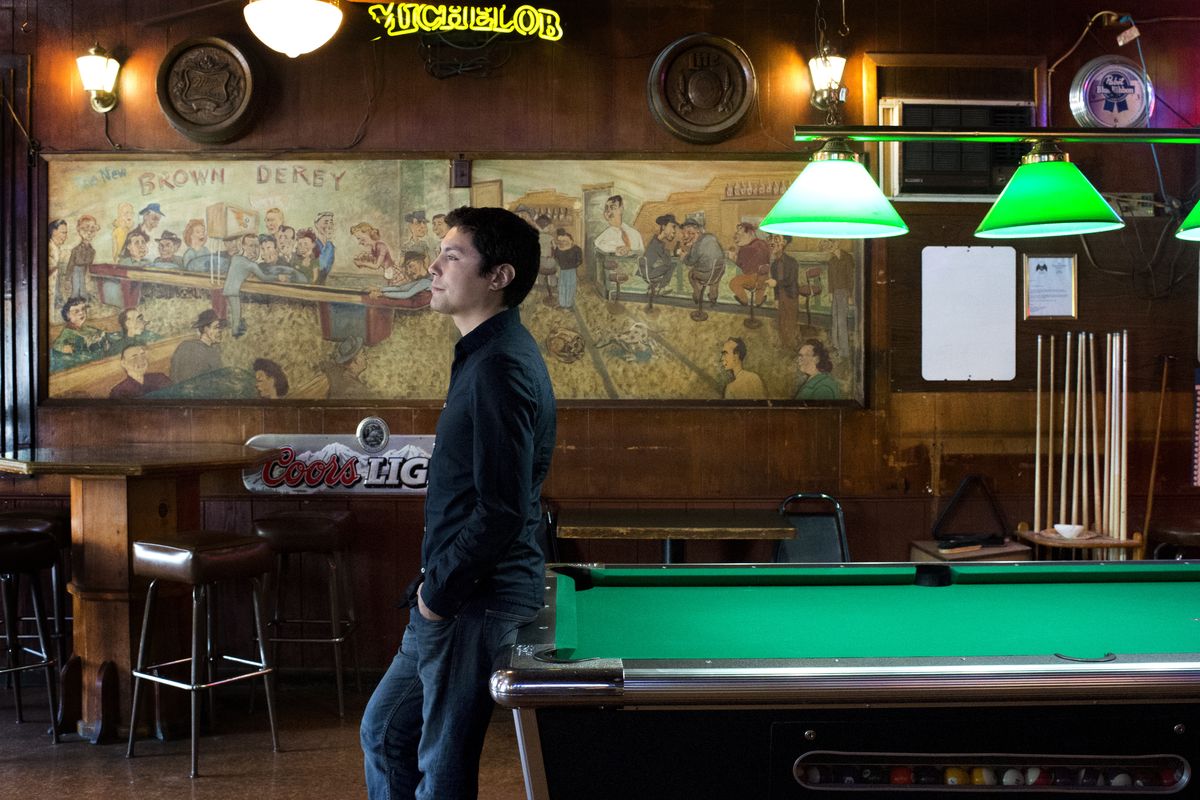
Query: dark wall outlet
pixel 460 174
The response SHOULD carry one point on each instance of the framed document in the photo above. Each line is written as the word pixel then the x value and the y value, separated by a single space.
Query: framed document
pixel 1050 287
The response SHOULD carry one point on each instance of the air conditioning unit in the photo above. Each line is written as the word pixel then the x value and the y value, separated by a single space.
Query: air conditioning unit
pixel 951 171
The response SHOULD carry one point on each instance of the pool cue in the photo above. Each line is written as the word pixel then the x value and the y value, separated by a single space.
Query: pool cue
pixel 1105 505
pixel 1078 409
pixel 1050 442
pixel 1124 437
pixel 1062 486
pixel 1162 397
pixel 1110 487
pixel 1096 479
pixel 1037 443
pixel 1085 496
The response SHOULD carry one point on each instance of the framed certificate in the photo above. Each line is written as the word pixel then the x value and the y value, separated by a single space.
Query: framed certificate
pixel 1050 287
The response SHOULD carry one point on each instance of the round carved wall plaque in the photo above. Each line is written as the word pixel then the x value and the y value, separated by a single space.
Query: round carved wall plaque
pixel 205 87
pixel 701 88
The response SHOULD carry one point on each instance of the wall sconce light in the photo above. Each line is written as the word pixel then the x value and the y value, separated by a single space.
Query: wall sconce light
pixel 834 197
pixel 293 27
pixel 98 72
pixel 826 70
pixel 1047 196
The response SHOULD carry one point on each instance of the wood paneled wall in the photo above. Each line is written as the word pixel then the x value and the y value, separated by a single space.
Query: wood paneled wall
pixel 893 462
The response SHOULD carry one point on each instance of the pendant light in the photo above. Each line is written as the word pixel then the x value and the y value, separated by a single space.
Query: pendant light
pixel 834 197
pixel 1190 229
pixel 1047 196
pixel 293 27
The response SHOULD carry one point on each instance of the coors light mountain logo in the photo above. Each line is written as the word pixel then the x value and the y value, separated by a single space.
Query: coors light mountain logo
pixel 340 467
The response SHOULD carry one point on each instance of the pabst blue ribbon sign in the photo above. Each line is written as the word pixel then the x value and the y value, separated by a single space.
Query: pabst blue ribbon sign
pixel 310 464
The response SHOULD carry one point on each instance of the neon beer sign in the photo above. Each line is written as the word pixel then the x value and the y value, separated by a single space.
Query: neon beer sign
pixel 399 19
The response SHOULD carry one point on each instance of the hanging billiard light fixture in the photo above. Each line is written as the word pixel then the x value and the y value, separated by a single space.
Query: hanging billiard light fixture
pixel 834 197
pixel 1047 196
pixel 1190 229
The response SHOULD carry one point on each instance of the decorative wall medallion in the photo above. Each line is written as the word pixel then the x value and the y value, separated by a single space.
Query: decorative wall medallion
pixel 701 88
pixel 205 87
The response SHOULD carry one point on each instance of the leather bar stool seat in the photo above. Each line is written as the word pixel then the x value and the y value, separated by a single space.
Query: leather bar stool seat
pixel 1174 540
pixel 200 559
pixel 25 554
pixel 56 523
pixel 327 534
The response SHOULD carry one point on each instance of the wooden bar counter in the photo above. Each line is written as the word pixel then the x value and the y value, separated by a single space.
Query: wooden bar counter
pixel 118 493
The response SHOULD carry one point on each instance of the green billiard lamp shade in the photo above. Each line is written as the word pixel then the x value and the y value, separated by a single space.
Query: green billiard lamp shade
pixel 1190 229
pixel 834 197
pixel 1047 196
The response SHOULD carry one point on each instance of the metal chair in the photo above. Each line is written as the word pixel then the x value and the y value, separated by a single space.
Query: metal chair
pixel 24 554
pixel 200 559
pixel 820 530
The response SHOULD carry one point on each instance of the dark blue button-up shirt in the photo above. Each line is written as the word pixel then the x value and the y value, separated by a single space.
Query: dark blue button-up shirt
pixel 494 441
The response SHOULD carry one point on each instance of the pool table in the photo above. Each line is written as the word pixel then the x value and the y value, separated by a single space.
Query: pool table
pixel 779 681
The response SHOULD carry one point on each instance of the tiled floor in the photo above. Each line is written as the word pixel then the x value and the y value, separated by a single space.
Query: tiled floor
pixel 319 758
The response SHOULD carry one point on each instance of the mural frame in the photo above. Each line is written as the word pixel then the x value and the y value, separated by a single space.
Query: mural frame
pixel 678 299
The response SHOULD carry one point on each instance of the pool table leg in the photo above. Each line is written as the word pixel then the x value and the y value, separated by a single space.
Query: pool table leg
pixel 533 764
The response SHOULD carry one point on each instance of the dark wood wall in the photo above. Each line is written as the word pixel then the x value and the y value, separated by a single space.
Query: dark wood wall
pixel 893 463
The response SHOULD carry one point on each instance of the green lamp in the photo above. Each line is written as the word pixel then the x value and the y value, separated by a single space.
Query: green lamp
pixel 834 197
pixel 1047 196
pixel 1190 229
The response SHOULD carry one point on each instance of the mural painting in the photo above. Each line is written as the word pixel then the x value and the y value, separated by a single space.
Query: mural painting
pixel 307 280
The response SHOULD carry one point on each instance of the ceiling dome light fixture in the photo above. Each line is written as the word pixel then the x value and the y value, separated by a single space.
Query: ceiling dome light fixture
pixel 834 197
pixel 1047 196
pixel 293 27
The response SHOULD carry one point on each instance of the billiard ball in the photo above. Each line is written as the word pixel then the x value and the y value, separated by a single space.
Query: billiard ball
pixel 871 774
pixel 983 776
pixel 1169 776
pixel 956 776
pixel 1119 777
pixel 1037 776
pixel 900 775
pixel 1145 777
pixel 843 774
pixel 813 774
pixel 1089 777
pixel 1012 777
pixel 927 776
pixel 1063 776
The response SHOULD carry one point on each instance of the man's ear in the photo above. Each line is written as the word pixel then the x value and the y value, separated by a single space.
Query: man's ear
pixel 502 275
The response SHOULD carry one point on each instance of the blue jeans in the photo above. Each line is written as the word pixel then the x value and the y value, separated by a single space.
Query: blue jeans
pixel 422 731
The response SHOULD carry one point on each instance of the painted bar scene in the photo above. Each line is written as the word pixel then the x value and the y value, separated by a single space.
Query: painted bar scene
pixel 254 279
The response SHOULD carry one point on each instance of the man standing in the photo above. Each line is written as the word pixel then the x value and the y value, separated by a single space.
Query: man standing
pixel 82 255
pixel 242 267
pixel 785 277
pixel 423 729
pixel 323 225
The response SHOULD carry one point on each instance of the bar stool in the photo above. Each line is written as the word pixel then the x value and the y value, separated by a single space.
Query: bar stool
pixel 57 523
pixel 1176 541
pixel 326 534
pixel 25 553
pixel 200 559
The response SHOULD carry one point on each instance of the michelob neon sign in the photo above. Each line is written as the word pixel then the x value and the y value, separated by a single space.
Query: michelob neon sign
pixel 399 19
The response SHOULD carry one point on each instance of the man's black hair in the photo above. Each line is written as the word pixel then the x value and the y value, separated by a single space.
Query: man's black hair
pixel 501 237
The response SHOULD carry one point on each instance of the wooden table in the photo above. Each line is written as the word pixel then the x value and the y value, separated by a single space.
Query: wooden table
pixel 1052 545
pixel 673 525
pixel 927 550
pixel 118 493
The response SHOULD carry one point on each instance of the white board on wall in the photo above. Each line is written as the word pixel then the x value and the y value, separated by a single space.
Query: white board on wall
pixel 968 313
